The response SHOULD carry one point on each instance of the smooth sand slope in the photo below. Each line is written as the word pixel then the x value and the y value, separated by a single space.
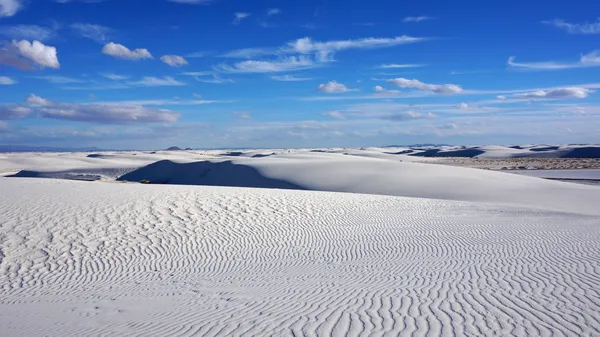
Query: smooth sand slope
pixel 351 170
pixel 81 258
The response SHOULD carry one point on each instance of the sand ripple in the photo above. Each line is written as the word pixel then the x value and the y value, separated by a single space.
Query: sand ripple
pixel 121 259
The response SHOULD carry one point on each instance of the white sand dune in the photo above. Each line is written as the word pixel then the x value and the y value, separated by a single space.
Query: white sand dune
pixel 81 259
pixel 340 170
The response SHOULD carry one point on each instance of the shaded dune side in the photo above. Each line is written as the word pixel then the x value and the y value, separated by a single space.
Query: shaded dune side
pixel 470 153
pixel 206 173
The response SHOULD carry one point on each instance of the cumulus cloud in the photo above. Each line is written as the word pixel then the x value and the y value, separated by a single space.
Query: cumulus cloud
pixel 36 100
pixel 100 113
pixel 27 32
pixel 416 18
pixel 463 106
pixel 9 112
pixel 576 28
pixel 558 93
pixel 333 87
pixel 436 88
pixel 97 33
pixel 174 60
pixel 334 114
pixel 239 16
pixel 501 97
pixel 5 80
pixel 585 61
pixel 122 52
pixel 291 63
pixel 10 7
pixel 26 55
pixel 150 81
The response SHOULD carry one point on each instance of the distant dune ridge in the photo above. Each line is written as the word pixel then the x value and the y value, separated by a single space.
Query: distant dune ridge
pixel 415 248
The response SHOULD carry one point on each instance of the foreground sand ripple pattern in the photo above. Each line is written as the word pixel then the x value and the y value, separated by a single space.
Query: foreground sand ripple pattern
pixel 104 259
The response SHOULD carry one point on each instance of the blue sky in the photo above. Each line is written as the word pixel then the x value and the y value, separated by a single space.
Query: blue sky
pixel 198 73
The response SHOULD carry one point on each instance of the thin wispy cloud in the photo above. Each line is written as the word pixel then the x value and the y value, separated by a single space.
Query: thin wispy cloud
pixel 417 18
pixel 585 61
pixel 150 81
pixel 559 93
pixel 400 66
pixel 291 63
pixel 290 78
pixel 239 16
pixel 100 113
pixel 114 77
pixel 5 80
pixel 273 11
pixel 98 33
pixel 324 49
pixel 586 28
pixel 27 32
pixel 58 79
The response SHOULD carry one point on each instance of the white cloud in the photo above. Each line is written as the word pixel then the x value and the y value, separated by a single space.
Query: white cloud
pixel 273 11
pixel 9 112
pixel 576 28
pixel 4 80
pixel 150 81
pixel 400 66
pixel 558 93
pixel 324 50
pixel 379 88
pixel 501 97
pixel 120 51
pixel 9 7
pixel 416 18
pixel 58 79
pixel 198 96
pixel 174 60
pixel 334 114
pixel 115 77
pixel 242 114
pixel 201 76
pixel 36 100
pixel 463 106
pixel 27 32
pixel 290 78
pixel 290 63
pixel 239 16
pixel 97 33
pixel 436 88
pixel 36 52
pixel 100 113
pixel 333 87
pixel 585 61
